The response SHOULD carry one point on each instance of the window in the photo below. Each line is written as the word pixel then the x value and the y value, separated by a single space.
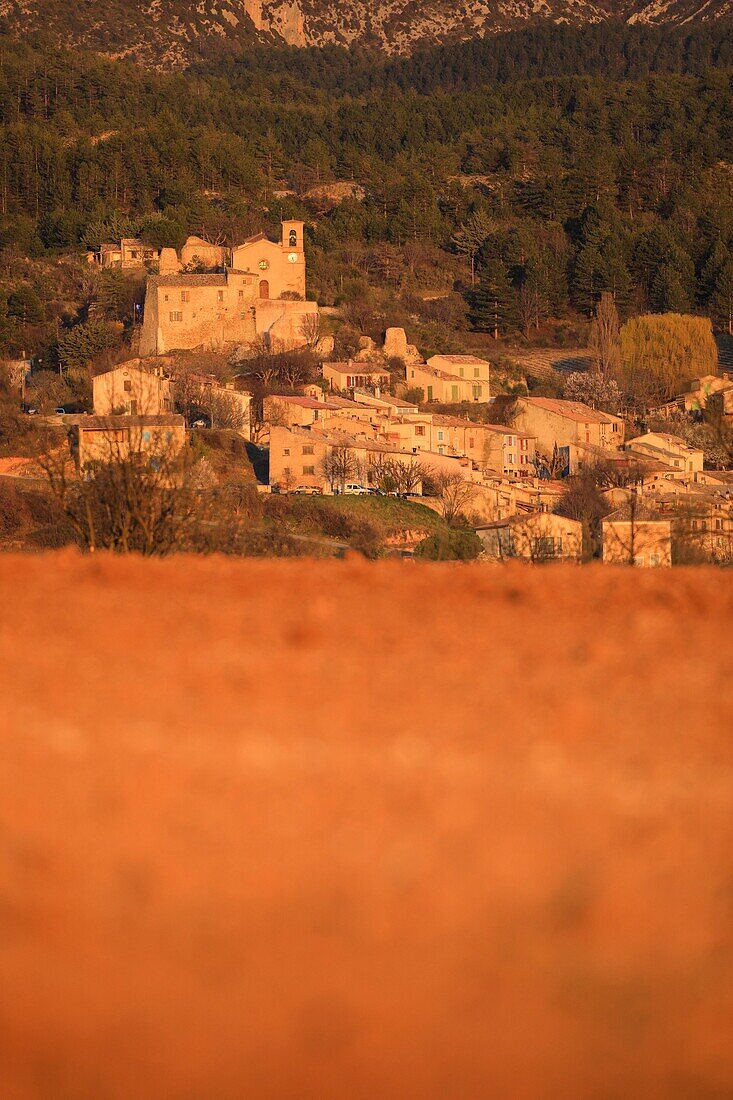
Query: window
pixel 460 372
pixel 293 239
pixel 614 427
pixel 454 393
pixel 545 546
pixel 241 295
pixel 471 442
pixel 128 386
pixel 286 469
pixel 654 559
pixel 440 435
pixel 286 450
pixel 476 372
pixel 220 295
pixel 176 315
pixel 308 449
pixel 185 295
pixel 441 450
pixel 420 429
pixel 309 471
pixel 510 459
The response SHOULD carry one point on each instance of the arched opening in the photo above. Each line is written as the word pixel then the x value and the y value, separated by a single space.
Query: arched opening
pixel 264 288
pixel 293 238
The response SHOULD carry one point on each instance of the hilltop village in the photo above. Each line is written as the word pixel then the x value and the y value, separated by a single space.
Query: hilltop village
pixel 528 477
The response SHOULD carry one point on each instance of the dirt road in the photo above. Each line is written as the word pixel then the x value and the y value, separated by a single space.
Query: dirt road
pixel 345 831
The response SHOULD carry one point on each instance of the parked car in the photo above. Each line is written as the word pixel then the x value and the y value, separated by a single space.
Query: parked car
pixel 306 490
pixel 353 488
pixel 60 411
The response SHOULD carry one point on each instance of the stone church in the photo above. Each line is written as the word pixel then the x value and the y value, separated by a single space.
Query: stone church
pixel 260 295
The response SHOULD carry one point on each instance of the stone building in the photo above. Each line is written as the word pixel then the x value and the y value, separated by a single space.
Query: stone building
pixel 278 267
pixel 117 438
pixel 129 254
pixel 559 423
pixel 261 295
pixel 133 389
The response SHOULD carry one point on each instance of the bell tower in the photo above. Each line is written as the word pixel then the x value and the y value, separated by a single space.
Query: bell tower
pixel 292 236
pixel 294 256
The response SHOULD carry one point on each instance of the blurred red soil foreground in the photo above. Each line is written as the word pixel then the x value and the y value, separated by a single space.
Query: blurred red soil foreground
pixel 345 831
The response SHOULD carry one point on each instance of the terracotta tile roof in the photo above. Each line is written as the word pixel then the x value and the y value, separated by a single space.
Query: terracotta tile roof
pixel 305 402
pixel 642 513
pixel 573 410
pixel 354 367
pixel 463 360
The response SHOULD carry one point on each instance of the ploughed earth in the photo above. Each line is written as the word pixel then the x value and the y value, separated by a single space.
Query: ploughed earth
pixel 339 830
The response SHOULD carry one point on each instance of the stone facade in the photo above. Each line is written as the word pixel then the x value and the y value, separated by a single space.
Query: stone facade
pixel 261 295
pixel 278 267
pixel 132 389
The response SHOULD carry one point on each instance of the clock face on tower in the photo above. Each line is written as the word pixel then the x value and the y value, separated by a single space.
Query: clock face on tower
pixel 292 257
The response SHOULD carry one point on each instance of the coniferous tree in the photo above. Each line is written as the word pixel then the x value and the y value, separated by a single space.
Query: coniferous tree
pixel 721 300
pixel 494 307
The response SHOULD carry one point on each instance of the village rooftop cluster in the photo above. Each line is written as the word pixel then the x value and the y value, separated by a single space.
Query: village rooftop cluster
pixel 356 431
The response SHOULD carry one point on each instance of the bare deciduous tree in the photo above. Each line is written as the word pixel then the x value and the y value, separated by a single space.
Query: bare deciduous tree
pixel 310 328
pixel 339 465
pixel 454 493
pixel 138 496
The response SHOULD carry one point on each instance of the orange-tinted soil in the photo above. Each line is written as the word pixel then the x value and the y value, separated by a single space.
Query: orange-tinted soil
pixel 345 831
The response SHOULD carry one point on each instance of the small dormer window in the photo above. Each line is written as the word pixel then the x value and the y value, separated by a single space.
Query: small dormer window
pixel 293 239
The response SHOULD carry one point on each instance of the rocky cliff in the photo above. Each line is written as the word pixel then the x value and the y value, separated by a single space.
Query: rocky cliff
pixel 175 32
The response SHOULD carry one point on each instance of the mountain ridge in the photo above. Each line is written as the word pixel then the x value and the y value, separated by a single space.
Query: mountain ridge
pixel 176 33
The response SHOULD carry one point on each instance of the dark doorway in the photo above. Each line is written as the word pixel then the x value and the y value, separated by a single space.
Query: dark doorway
pixel 264 288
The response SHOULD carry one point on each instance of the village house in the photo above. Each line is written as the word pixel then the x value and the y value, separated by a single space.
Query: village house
pixel 491 447
pixel 696 398
pixel 332 413
pixel 702 521
pixel 637 534
pixel 672 450
pixel 351 375
pixel 129 254
pixel 184 311
pixel 116 438
pixel 444 387
pixel 535 537
pixel 298 457
pixel 557 423
pixel 134 389
pixel 388 405
pixel 467 367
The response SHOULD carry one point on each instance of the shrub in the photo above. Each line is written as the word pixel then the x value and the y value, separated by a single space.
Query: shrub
pixel 456 544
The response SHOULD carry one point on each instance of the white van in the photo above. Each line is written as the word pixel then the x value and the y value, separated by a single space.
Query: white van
pixel 355 489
